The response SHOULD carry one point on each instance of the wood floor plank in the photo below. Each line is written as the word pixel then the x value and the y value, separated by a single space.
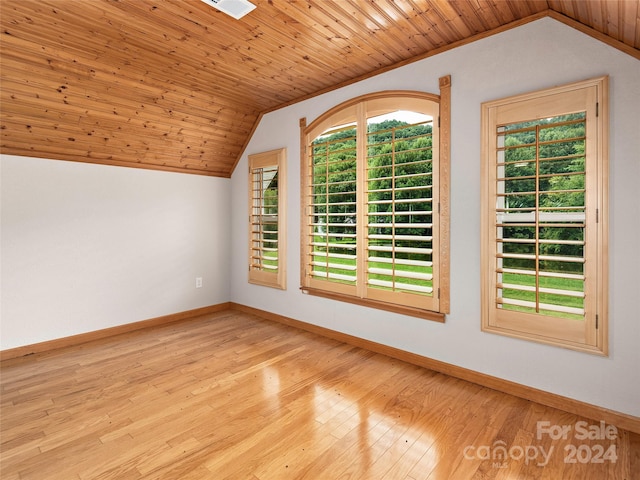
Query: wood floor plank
pixel 231 395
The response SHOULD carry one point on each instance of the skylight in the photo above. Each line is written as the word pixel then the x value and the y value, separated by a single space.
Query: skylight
pixel 234 8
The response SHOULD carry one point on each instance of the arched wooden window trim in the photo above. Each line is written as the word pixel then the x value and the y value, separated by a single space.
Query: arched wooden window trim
pixel 357 109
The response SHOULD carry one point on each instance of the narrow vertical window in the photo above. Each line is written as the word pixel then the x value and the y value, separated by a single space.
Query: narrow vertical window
pixel 267 219
pixel 544 231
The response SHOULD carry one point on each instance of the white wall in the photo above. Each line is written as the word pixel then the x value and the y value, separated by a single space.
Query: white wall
pixel 86 247
pixel 535 56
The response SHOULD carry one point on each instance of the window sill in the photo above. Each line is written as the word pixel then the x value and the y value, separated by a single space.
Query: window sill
pixel 389 307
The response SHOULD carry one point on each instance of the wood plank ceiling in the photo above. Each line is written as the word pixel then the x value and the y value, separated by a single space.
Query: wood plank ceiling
pixel 177 85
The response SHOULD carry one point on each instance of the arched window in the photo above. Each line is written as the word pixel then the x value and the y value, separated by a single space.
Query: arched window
pixel 375 203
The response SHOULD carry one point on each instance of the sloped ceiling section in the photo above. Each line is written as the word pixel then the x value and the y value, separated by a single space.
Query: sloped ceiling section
pixel 177 85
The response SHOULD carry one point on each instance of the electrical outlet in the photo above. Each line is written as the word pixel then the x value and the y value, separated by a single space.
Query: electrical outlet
pixel 198 282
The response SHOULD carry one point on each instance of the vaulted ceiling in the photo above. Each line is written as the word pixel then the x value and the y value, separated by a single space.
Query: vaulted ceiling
pixel 177 85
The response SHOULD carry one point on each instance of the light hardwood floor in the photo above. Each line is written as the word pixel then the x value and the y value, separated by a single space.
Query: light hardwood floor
pixel 233 396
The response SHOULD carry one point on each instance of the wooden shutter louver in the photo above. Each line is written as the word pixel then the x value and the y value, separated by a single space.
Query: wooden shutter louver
pixel 333 205
pixel 266 218
pixel 264 221
pixel 540 216
pixel 371 223
pixel 400 210
pixel 544 216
